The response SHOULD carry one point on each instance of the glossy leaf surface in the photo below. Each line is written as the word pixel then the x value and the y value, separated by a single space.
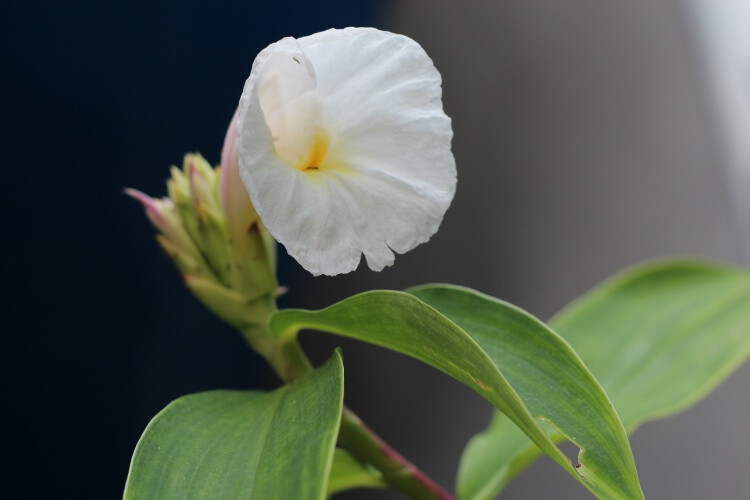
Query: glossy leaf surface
pixel 513 360
pixel 242 444
pixel 658 338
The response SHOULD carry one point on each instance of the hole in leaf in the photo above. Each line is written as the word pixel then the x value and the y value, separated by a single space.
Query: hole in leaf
pixel 571 451
pixel 568 448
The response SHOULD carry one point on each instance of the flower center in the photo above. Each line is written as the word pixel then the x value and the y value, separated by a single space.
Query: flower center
pixel 316 153
pixel 294 112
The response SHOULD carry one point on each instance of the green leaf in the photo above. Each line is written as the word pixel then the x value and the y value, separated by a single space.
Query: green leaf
pixel 243 444
pixel 517 363
pixel 348 473
pixel 658 338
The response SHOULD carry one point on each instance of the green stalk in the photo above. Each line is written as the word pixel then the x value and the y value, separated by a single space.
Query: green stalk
pixel 397 471
pixel 289 361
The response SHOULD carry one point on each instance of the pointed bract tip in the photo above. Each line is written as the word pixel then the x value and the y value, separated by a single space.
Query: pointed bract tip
pixel 148 203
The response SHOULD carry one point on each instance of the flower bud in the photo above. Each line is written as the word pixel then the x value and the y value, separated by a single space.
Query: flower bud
pixel 162 215
pixel 240 215
pixel 235 201
pixel 224 253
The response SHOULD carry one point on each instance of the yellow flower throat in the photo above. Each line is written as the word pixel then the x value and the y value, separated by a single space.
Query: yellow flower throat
pixel 316 153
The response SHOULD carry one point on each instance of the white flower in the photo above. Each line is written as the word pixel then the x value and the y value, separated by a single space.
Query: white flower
pixel 344 147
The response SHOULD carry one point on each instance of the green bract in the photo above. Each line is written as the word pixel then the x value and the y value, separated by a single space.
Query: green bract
pixel 658 338
pixel 228 267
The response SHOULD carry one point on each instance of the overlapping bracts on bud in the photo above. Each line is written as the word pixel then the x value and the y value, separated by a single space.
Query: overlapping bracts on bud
pixel 230 269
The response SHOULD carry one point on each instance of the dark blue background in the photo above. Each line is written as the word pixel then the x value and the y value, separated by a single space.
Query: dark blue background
pixel 99 332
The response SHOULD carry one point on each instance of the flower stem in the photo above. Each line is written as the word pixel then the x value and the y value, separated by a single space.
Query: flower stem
pixel 397 471
pixel 289 361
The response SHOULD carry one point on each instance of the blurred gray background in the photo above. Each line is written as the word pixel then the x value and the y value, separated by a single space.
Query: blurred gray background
pixel 588 136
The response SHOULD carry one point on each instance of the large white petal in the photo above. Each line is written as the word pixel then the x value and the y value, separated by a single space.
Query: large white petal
pixel 377 98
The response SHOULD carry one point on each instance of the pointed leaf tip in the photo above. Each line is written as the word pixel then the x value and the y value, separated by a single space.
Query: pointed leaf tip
pixel 243 444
